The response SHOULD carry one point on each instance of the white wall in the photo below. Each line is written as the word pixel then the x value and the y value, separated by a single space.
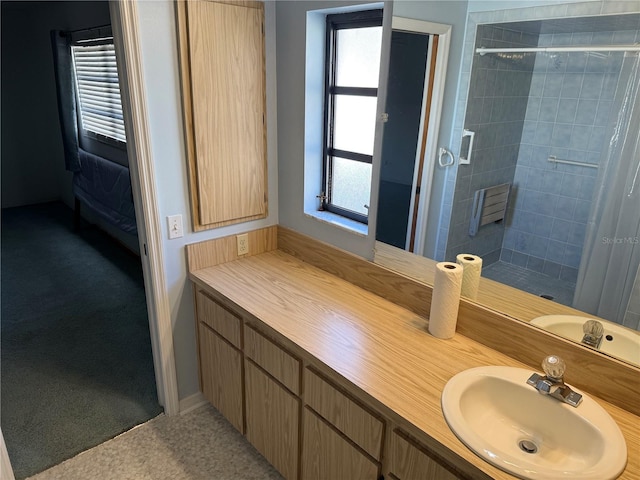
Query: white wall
pixel 32 157
pixel 161 77
pixel 291 45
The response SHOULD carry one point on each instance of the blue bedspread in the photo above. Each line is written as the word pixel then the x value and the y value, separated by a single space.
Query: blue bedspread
pixel 105 187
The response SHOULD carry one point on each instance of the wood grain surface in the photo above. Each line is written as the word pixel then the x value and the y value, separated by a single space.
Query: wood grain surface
pixel 222 66
pixel 408 462
pixel 225 249
pixel 356 270
pixel 360 425
pixel 225 323
pixel 221 373
pixel 326 455
pixel 377 346
pixel 492 295
pixel 273 359
pixel 273 420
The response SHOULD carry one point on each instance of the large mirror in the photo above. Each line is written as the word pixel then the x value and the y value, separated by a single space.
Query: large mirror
pixel 551 109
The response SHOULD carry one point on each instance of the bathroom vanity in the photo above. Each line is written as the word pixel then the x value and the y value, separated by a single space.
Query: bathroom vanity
pixel 328 379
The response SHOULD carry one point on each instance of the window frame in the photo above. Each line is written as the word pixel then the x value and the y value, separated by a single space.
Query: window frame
pixel 97 136
pixel 334 23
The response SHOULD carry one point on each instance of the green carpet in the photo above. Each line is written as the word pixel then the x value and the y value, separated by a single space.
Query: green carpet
pixel 75 353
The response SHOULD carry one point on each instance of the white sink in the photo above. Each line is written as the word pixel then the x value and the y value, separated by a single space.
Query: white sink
pixel 495 413
pixel 618 341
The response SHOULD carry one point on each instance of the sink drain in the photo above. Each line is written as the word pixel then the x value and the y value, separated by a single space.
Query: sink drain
pixel 528 446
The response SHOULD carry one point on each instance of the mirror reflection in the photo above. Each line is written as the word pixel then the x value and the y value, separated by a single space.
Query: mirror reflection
pixel 553 112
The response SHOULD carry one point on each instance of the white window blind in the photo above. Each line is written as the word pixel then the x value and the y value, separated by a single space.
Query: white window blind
pixel 98 90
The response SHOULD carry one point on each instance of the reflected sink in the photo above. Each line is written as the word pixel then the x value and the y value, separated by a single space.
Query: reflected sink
pixel 618 341
pixel 509 424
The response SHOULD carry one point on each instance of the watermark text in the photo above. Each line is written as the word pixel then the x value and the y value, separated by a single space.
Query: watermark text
pixel 620 240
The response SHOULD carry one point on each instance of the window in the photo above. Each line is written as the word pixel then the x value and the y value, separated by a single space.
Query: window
pixel 98 90
pixel 351 90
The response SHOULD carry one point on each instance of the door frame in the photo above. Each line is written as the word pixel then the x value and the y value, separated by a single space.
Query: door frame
pixel 125 25
pixel 124 22
pixel 427 155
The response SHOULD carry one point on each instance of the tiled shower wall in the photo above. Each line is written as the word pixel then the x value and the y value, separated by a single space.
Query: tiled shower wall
pixel 498 97
pixel 567 117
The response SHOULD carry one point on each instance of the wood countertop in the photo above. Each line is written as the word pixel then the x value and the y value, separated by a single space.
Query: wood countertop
pixel 381 348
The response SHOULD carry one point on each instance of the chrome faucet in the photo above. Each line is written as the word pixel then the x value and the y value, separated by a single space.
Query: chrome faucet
pixel 593 333
pixel 552 383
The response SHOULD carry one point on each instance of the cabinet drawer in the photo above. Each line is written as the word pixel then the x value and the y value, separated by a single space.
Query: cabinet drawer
pixel 346 415
pixel 325 454
pixel 273 359
pixel 407 461
pixel 221 375
pixel 273 420
pixel 219 318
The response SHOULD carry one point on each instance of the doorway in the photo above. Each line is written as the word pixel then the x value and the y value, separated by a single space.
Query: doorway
pixel 417 72
pixel 99 344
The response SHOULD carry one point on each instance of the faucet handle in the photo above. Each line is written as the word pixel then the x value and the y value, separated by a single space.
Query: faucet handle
pixel 593 328
pixel 554 367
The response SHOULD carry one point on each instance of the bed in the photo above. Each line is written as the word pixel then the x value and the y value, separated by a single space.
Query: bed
pixel 105 188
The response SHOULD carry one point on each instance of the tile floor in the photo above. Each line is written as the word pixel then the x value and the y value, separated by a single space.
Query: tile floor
pixel 530 281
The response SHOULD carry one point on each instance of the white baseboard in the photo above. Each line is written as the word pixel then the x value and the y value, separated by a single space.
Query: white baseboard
pixel 192 402
pixel 6 472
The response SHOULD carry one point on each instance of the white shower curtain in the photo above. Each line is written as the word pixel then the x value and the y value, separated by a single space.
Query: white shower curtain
pixel 611 252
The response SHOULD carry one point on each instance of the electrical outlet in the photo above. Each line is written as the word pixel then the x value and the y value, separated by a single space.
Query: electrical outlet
pixel 243 243
pixel 175 226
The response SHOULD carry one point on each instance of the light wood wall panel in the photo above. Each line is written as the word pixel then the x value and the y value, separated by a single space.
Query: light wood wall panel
pixel 356 270
pixel 493 295
pixel 225 249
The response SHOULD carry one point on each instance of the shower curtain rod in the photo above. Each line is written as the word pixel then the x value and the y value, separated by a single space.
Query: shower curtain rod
pixel 592 48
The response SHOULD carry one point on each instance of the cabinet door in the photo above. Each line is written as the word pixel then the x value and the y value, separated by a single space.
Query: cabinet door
pixel 221 375
pixel 326 454
pixel 224 322
pixel 223 81
pixel 273 359
pixel 410 462
pixel 273 418
pixel 344 414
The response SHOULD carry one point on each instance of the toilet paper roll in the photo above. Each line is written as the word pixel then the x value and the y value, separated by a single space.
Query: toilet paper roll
pixel 445 299
pixel 472 266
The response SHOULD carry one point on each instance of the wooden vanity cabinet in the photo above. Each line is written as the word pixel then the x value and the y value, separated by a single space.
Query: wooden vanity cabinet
pixel 221 375
pixel 410 461
pixel 273 420
pixel 342 439
pixel 220 358
pixel 308 424
pixel 273 359
pixel 327 454
pixel 222 63
pixel 272 386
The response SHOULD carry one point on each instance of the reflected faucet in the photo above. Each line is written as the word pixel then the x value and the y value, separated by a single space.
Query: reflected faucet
pixel 593 333
pixel 552 383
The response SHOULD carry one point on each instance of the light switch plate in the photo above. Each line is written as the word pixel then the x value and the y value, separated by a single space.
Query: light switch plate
pixel 175 226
